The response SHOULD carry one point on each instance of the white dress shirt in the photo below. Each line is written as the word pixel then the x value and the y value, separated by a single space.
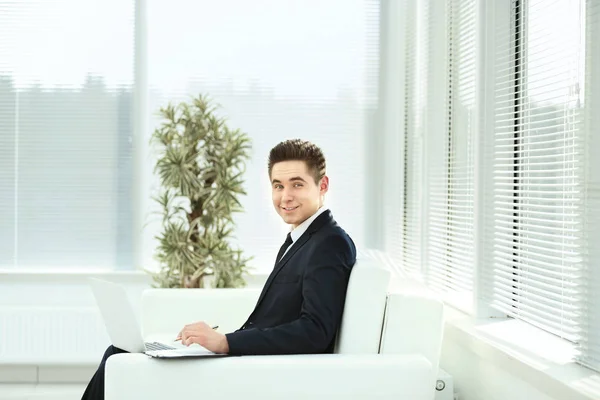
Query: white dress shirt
pixel 300 229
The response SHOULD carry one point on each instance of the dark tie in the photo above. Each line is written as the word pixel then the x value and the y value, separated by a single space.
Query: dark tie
pixel 284 246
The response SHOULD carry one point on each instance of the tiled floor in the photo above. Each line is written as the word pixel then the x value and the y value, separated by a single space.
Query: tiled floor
pixel 46 391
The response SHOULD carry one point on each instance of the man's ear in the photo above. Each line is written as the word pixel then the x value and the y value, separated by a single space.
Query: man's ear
pixel 324 184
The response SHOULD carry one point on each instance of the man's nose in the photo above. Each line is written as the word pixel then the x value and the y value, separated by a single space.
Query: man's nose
pixel 286 196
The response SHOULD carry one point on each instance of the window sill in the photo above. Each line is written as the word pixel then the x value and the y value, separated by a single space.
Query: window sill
pixel 80 276
pixel 539 358
pixel 54 275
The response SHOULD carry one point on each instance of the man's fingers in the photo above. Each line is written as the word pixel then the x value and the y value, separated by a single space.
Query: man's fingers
pixel 186 328
pixel 193 339
pixel 198 336
pixel 194 326
pixel 199 330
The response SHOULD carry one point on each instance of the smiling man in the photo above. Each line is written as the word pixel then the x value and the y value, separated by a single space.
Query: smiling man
pixel 300 307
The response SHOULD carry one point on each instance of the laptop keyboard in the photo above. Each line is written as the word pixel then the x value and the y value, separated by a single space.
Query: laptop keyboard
pixel 150 346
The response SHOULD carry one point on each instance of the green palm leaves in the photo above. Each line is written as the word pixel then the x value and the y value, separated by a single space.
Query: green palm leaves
pixel 201 163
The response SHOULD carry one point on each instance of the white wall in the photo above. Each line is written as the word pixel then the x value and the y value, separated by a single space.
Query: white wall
pixel 506 359
pixel 478 378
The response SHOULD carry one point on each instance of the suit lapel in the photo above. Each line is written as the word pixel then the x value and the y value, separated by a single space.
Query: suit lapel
pixel 321 220
pixel 295 247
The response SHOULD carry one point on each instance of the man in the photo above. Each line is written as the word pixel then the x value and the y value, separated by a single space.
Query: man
pixel 300 307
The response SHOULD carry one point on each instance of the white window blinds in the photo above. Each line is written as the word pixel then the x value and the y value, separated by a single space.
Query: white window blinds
pixel 450 154
pixel 414 103
pixel 65 129
pixel 525 163
pixel 539 181
pixel 280 70
pixel 437 236
pixel 589 354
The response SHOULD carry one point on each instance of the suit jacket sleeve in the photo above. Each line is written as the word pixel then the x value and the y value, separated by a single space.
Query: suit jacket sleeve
pixel 323 291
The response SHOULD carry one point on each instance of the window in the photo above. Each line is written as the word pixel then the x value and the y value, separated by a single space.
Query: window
pixel 437 236
pixel 280 70
pixel 450 258
pixel 545 188
pixel 589 346
pixel 415 102
pixel 65 133
pixel 500 161
pixel 538 168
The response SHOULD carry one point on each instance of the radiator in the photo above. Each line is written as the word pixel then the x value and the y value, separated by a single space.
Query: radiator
pixel 51 335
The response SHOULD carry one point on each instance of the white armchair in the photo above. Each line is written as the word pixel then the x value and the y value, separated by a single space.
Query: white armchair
pixel 381 352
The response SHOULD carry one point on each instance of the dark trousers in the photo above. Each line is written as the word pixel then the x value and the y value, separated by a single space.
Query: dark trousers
pixel 95 389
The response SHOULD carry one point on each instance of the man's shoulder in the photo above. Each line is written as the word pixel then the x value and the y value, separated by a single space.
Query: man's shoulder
pixel 332 228
pixel 334 237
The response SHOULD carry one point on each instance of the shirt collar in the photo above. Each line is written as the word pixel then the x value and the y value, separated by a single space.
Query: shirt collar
pixel 300 229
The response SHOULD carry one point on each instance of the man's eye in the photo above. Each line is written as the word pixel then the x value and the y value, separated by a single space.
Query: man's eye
pixel 298 185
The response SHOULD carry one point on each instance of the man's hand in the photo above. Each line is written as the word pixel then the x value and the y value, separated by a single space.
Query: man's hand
pixel 202 334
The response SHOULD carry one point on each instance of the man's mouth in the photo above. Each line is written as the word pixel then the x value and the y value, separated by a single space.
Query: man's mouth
pixel 289 208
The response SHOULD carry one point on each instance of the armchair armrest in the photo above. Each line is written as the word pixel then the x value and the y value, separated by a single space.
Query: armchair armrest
pixel 290 377
pixel 414 324
pixel 166 311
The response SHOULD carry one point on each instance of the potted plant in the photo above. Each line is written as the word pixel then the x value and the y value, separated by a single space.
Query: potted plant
pixel 201 162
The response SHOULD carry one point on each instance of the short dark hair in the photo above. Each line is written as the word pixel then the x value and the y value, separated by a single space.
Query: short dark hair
pixel 299 150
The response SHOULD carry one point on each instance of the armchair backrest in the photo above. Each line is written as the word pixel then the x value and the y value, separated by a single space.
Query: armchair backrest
pixel 166 311
pixel 362 319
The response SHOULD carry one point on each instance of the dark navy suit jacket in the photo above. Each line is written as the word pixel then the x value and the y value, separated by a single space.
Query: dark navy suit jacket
pixel 300 307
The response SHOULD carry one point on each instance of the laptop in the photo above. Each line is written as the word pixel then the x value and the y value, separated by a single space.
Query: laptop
pixel 124 330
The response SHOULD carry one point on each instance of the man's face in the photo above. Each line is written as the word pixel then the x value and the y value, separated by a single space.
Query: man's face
pixel 295 195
